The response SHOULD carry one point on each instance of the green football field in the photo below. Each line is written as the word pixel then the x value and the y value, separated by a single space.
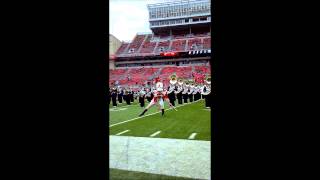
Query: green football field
pixel 191 118
pixel 191 121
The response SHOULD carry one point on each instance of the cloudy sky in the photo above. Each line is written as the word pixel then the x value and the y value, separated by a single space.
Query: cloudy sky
pixel 128 17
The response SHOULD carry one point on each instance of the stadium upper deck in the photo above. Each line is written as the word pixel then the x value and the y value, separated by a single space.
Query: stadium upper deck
pixel 178 26
pixel 179 13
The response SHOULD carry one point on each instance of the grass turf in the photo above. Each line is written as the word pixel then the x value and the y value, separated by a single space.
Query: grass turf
pixel 191 118
pixel 116 174
pixel 124 103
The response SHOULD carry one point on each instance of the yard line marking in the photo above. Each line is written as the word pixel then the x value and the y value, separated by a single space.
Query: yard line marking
pixel 192 136
pixel 156 133
pixel 143 116
pixel 124 106
pixel 117 109
pixel 122 132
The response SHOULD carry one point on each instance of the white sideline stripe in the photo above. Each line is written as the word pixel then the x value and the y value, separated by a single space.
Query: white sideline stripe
pixel 156 133
pixel 179 157
pixel 122 132
pixel 148 115
pixel 192 136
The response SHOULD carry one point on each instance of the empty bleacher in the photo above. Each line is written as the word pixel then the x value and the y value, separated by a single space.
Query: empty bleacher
pixel 164 45
pixel 136 43
pixel 178 45
pixel 145 44
pixel 122 48
pixel 148 47
pixel 194 44
pixel 207 43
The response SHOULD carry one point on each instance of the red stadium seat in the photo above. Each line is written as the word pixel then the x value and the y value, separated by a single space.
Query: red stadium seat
pixel 178 45
pixel 207 43
pixel 148 47
pixel 163 46
pixel 136 43
pixel 143 44
pixel 194 44
pixel 142 74
pixel 122 48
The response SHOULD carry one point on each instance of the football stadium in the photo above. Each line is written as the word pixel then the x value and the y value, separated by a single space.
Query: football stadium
pixel 159 95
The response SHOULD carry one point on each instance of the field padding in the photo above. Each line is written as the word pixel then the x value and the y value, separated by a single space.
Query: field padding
pixel 173 157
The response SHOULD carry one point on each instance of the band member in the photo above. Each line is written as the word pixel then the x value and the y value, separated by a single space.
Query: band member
pixel 194 93
pixel 198 94
pixel 151 90
pixel 131 95
pixel 178 91
pixel 114 97
pixel 206 91
pixel 201 89
pixel 120 94
pixel 159 97
pixel 149 95
pixel 185 92
pixel 190 93
pixel 136 95
pixel 171 90
pixel 142 94
pixel 127 95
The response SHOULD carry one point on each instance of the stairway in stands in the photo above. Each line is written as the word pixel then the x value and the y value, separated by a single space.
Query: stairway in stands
pixel 156 74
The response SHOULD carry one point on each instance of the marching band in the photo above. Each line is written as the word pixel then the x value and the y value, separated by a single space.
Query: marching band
pixel 185 91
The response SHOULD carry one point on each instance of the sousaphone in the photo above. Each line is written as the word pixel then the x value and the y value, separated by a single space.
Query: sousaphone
pixel 192 84
pixel 180 82
pixel 208 79
pixel 173 79
pixel 187 83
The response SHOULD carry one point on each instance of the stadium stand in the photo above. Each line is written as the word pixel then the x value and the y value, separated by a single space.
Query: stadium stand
pixel 122 48
pixel 207 43
pixel 141 75
pixel 202 69
pixel 136 43
pixel 162 46
pixel 194 44
pixel 148 47
pixel 148 44
pixel 180 44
